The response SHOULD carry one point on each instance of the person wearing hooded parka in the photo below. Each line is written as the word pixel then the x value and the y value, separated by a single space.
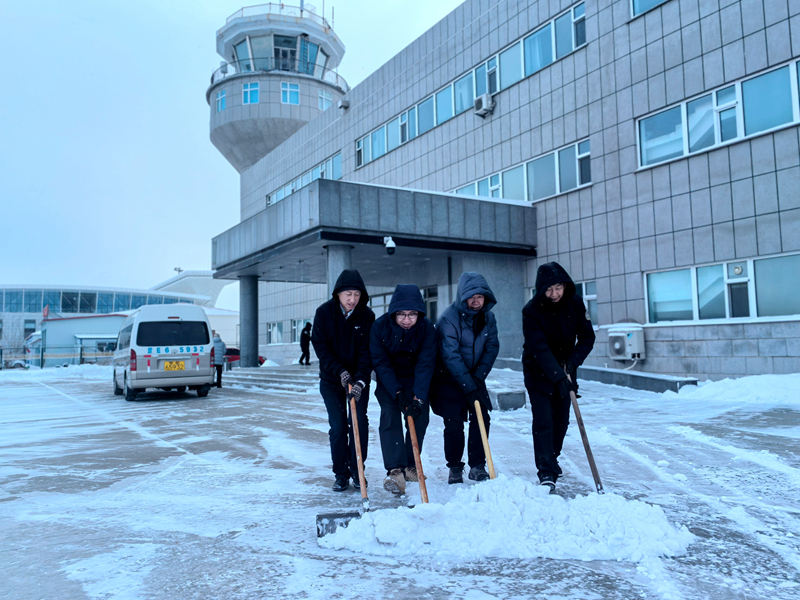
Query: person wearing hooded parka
pixel 341 341
pixel 403 348
pixel 468 347
pixel 558 338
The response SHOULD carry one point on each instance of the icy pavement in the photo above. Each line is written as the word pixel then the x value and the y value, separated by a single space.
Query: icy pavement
pixel 173 496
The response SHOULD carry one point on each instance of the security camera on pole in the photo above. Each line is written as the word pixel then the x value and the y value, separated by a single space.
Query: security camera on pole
pixel 390 245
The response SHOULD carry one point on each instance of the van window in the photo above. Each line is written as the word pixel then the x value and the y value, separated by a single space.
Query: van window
pixel 125 337
pixel 172 333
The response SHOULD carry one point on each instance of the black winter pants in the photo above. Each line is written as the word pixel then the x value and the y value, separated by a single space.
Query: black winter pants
pixel 550 422
pixel 340 434
pixel 398 453
pixel 454 440
pixel 219 375
pixel 304 356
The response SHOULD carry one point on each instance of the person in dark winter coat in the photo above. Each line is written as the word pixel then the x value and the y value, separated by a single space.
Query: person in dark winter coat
pixel 219 357
pixel 341 340
pixel 468 347
pixel 558 338
pixel 403 348
pixel 305 340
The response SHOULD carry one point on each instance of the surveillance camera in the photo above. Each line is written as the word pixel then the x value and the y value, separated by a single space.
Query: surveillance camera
pixel 390 245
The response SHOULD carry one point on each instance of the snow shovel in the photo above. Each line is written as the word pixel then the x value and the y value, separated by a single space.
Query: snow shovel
pixel 485 439
pixel 330 522
pixel 412 432
pixel 585 439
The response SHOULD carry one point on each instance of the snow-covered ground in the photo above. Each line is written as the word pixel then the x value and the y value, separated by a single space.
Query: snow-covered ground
pixel 173 496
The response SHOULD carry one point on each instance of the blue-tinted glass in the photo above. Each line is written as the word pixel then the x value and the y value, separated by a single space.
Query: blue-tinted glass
pixel 425 110
pixel 412 123
pixel 777 286
pixel 727 95
pixel 444 105
pixel 514 183
pixel 510 66
pixel 464 93
pixel 243 56
pixel 483 187
pixel 378 143
pixel 13 301
pixel 480 80
pixel 567 169
pixel 661 136
pixel 591 288
pixel 700 114
pixel 584 147
pixel 168 300
pixel 337 167
pixel 711 292
pixel 393 134
pixel 467 190
pixel 69 302
pixel 294 94
pixel 563 35
pixel 52 298
pixel 542 177
pixel 262 49
pixel 155 299
pixel 538 50
pixel 105 303
pixel 727 125
pixel 137 301
pixel 33 301
pixel 579 10
pixel 367 149
pixel 640 6
pixel 669 296
pixel 253 93
pixel 767 101
pixel 88 302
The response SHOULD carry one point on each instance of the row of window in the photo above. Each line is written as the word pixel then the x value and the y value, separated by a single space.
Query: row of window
pixel 523 58
pixel 734 112
pixel 34 301
pixel 290 94
pixel 588 291
pixel 329 169
pixel 762 287
pixel 548 175
pixel 275 331
pixel 279 52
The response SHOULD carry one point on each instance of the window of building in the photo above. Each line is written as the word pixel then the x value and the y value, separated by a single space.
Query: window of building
pixel 444 105
pixel 243 56
pixel 380 303
pixel 290 93
pixel 588 291
pixel 88 302
pixel 138 301
pixel 105 303
pixel 514 183
pixel 425 115
pixel 167 300
pixel 431 297
pixel 33 301
pixel 743 109
pixel 297 327
pixel 378 143
pixel 155 299
pixel 761 287
pixel 393 134
pixel 69 302
pixel 567 169
pixel 480 80
pixel 491 75
pixel 325 100
pixel 467 190
pixel 584 163
pixel 13 301
pixel 51 298
pixel 29 328
pixel 494 186
pixel 464 96
pixel 250 93
pixel 510 66
pixel 1 329
pixel 261 45
pixel 563 29
pixel 642 6
pixel 122 302
pixel 579 25
pixel 275 333
pixel 359 153
pixel 542 177
pixel 538 50
pixel 221 100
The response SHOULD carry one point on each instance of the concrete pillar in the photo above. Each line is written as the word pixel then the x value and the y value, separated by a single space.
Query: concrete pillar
pixel 248 320
pixel 338 261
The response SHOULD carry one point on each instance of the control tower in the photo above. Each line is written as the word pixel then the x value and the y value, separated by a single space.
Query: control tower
pixel 278 74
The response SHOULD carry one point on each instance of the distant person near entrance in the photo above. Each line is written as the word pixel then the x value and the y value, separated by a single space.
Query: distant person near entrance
pixel 219 357
pixel 341 341
pixel 305 340
pixel 558 338
pixel 468 347
pixel 403 348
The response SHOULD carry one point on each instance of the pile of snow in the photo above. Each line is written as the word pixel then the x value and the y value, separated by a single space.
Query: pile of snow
pixel 71 372
pixel 513 518
pixel 270 363
pixel 769 390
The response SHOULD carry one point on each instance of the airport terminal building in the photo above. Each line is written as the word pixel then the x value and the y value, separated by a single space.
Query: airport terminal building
pixel 649 146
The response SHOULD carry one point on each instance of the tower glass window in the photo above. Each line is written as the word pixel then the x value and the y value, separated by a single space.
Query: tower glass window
pixel 243 56
pixel 325 100
pixel 250 93
pixel 261 46
pixel 290 93
pixel 285 52
pixel 221 101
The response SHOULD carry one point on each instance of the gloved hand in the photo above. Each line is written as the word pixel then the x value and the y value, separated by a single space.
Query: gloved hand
pixel 565 386
pixel 414 409
pixel 355 391
pixel 472 396
pixel 571 370
pixel 403 401
pixel 346 379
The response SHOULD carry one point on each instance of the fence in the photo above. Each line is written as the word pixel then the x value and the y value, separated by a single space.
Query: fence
pixel 58 356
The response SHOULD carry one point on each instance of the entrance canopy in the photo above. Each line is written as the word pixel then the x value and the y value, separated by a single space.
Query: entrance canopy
pixel 288 241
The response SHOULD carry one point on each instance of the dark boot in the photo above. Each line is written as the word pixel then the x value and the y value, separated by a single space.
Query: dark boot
pixel 478 473
pixel 357 483
pixel 341 483
pixel 456 475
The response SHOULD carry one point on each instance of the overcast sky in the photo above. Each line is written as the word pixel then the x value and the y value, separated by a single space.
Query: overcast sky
pixel 108 177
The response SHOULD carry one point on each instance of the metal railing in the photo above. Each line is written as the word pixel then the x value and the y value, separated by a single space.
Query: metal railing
pixel 278 65
pixel 55 356
pixel 280 9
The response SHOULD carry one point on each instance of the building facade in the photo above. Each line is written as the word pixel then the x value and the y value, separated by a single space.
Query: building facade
pixel 651 147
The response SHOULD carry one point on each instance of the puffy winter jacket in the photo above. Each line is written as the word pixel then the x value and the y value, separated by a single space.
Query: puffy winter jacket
pixel 219 350
pixel 343 344
pixel 554 332
pixel 468 342
pixel 404 354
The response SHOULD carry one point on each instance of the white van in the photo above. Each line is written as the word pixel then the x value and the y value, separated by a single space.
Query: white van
pixel 164 346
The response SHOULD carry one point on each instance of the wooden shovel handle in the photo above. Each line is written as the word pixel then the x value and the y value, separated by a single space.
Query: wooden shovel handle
pixel 359 461
pixel 485 439
pixel 412 432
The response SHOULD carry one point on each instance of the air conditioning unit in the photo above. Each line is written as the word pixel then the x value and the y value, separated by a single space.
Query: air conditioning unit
pixel 626 342
pixel 484 105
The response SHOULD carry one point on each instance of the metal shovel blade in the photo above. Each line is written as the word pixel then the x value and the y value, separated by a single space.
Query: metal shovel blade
pixel 330 522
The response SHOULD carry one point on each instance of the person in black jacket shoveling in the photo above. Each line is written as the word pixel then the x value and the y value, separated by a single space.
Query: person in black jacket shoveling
pixel 341 341
pixel 558 338
pixel 468 347
pixel 403 348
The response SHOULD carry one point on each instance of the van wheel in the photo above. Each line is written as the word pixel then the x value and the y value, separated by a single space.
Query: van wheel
pixel 203 390
pixel 180 389
pixel 117 389
pixel 130 393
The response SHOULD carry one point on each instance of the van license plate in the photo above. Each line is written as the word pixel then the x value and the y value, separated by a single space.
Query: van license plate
pixel 174 365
